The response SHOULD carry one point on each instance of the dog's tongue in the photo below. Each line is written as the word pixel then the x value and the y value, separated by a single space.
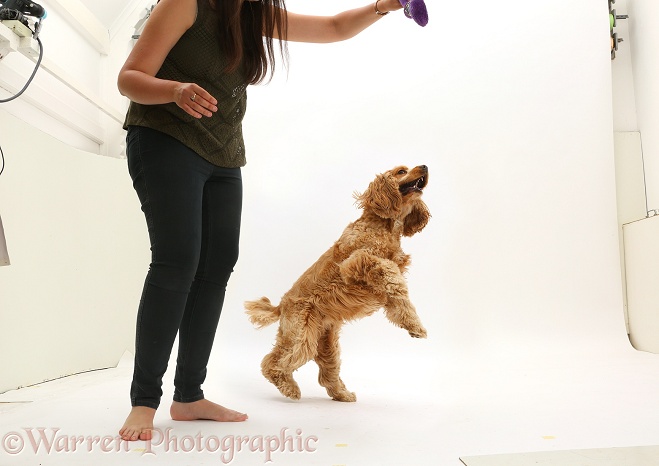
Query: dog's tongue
pixel 411 187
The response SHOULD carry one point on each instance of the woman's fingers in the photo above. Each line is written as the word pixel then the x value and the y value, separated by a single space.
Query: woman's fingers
pixel 201 107
pixel 196 101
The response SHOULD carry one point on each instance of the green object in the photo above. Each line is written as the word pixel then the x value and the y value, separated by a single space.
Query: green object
pixel 612 20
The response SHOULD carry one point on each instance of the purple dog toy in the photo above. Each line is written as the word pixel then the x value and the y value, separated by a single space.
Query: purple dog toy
pixel 416 10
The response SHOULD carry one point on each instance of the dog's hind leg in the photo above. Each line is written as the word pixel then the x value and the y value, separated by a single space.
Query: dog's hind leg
pixel 271 369
pixel 282 380
pixel 329 364
pixel 296 344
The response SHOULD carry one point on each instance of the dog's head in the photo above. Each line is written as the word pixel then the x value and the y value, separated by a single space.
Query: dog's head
pixel 396 194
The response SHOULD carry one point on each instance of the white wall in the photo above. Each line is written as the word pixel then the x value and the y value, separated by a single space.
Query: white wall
pixel 68 240
pixel 78 248
pixel 643 38
pixel 641 255
pixel 624 98
pixel 635 99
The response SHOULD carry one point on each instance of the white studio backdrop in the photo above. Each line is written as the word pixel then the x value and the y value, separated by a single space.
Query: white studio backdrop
pixel 510 107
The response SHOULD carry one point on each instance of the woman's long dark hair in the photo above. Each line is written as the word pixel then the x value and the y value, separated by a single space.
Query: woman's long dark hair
pixel 246 29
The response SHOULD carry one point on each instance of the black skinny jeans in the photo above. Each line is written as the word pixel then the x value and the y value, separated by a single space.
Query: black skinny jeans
pixel 192 210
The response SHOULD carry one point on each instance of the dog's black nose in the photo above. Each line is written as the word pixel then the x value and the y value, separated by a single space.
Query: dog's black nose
pixel 424 167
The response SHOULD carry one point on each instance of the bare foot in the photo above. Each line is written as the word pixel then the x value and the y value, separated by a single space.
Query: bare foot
pixel 204 409
pixel 139 424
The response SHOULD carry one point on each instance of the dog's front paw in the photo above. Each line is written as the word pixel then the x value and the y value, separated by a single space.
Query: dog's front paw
pixel 418 333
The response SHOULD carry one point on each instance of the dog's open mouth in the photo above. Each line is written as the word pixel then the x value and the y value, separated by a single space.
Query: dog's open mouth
pixel 413 186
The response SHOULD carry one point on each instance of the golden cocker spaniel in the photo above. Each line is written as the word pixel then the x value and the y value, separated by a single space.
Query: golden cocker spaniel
pixel 362 272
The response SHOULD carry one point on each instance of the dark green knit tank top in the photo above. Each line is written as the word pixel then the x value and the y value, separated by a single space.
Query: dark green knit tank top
pixel 197 58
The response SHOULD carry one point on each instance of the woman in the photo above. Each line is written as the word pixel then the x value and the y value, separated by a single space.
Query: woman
pixel 186 79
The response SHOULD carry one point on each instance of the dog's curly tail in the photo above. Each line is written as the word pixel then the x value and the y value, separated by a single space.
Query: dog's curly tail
pixel 261 312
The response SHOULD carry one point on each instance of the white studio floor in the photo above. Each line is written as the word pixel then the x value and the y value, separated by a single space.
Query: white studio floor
pixel 412 413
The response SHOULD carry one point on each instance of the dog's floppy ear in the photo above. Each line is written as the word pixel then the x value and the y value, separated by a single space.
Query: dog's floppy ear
pixel 382 197
pixel 417 219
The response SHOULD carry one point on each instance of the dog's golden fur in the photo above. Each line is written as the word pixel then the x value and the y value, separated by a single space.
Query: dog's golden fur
pixel 362 272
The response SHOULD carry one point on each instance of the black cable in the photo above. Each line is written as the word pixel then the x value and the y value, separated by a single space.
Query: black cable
pixel 29 81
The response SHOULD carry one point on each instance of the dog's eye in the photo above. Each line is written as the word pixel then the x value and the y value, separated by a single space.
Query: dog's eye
pixel 401 172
